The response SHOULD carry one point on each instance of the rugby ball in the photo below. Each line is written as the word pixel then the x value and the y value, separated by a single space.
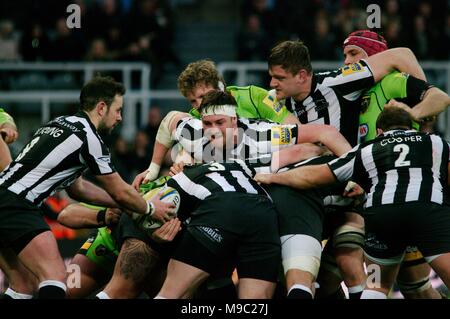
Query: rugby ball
pixel 168 195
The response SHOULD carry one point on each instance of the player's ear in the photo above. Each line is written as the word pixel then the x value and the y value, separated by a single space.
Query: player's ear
pixel 302 75
pixel 101 108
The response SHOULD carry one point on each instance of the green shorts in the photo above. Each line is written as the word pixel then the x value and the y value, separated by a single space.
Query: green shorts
pixel 101 249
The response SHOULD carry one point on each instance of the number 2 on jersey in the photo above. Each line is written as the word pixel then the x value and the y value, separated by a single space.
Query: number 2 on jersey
pixel 403 149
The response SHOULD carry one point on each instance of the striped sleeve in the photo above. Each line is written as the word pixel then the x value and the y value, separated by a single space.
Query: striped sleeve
pixel 350 81
pixel 94 152
pixel 343 167
pixel 189 133
pixel 259 164
pixel 96 155
pixel 266 137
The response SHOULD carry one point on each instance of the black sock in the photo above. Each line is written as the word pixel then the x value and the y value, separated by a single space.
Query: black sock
pixel 51 292
pixel 298 293
pixel 339 294
pixel 355 295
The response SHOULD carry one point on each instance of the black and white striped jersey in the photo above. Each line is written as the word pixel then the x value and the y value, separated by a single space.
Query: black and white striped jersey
pixel 334 98
pixel 332 194
pixel 255 137
pixel 200 181
pixel 397 167
pixel 57 154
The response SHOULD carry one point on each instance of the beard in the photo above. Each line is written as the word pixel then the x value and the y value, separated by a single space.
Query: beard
pixel 104 129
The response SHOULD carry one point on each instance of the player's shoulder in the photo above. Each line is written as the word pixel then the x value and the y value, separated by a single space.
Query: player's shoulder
pixel 189 121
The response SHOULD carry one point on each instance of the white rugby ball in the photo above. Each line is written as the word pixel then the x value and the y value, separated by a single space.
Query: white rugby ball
pixel 169 195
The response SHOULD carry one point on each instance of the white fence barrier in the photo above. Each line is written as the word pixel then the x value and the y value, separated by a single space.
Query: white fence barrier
pixel 242 71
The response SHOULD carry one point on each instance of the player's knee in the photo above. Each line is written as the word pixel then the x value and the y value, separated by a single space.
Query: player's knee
pixel 301 252
pixel 347 236
pixel 329 267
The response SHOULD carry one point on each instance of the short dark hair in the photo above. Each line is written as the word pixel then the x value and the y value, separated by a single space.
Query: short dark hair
pixel 291 55
pixel 394 117
pixel 100 88
pixel 216 98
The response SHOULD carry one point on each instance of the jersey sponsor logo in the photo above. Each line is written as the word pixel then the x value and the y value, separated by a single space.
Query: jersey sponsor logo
pixel 60 120
pixel 212 233
pixel 365 102
pixel 281 135
pixel 105 159
pixel 352 68
pixel 272 102
pixel 363 130
pixel 100 250
pixel 412 253
pixel 269 100
pixel 277 107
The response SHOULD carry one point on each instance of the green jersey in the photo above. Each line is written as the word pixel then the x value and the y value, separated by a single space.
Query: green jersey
pixel 400 86
pixel 255 103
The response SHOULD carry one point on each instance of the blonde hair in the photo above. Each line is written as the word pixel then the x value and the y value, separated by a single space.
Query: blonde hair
pixel 199 72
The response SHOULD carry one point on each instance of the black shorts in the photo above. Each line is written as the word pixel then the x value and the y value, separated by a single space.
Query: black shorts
pixel 20 221
pixel 199 247
pixel 240 231
pixel 391 228
pixel 299 212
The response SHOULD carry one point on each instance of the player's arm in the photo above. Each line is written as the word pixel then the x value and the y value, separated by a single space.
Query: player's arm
pixel 311 176
pixel 78 216
pixel 130 200
pixel 85 191
pixel 415 96
pixel 402 59
pixel 291 119
pixel 294 154
pixel 328 135
pixel 303 177
pixel 434 102
pixel 163 143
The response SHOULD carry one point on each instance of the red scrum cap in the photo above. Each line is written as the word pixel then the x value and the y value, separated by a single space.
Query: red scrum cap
pixel 369 41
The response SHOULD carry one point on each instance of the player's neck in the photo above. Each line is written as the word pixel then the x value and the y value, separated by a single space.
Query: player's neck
pixel 93 118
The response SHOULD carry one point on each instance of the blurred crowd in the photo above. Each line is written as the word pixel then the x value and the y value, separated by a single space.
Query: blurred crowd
pixel 422 25
pixel 112 30
pixel 144 30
